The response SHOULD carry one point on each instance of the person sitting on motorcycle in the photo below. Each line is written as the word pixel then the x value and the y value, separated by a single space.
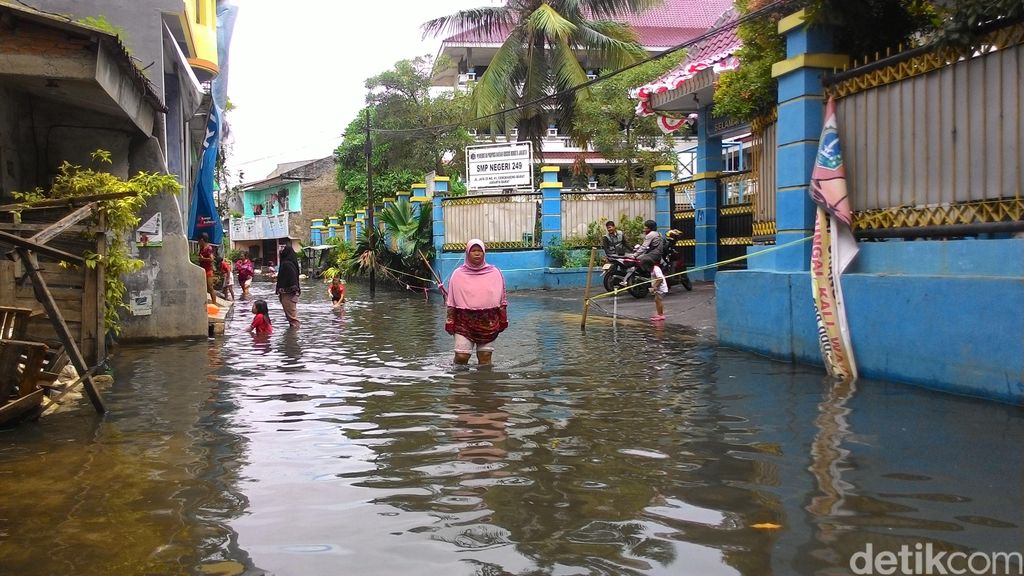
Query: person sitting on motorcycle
pixel 614 242
pixel 649 253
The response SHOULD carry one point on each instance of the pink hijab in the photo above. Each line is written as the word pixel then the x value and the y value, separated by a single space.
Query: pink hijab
pixel 477 288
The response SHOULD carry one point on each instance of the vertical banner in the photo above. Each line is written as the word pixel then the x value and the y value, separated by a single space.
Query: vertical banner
pixel 203 216
pixel 833 249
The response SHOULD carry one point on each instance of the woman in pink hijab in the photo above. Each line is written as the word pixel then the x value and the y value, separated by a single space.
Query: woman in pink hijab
pixel 476 306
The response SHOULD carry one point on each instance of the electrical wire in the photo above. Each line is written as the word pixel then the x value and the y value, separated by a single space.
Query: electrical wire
pixel 776 5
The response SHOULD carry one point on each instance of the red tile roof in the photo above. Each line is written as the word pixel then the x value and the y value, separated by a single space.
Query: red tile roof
pixel 716 53
pixel 671 24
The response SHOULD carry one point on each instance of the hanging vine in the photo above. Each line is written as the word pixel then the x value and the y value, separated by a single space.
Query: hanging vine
pixel 120 217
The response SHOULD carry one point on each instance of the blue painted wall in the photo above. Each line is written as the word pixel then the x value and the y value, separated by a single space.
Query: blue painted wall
pixel 523 270
pixel 943 315
pixel 262 195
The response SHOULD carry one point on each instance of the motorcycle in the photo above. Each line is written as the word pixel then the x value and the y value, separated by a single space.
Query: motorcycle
pixel 624 271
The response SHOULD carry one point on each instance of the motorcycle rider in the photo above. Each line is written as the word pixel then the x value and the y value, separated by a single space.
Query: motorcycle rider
pixel 614 242
pixel 649 253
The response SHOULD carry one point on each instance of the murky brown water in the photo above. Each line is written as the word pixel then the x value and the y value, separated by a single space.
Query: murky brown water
pixel 352 446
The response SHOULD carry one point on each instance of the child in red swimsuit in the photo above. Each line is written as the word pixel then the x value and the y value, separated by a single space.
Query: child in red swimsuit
pixel 260 319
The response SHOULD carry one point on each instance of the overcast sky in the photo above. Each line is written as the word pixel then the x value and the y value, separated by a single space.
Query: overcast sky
pixel 297 71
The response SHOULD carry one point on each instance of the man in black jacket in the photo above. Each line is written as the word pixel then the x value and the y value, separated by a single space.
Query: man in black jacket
pixel 614 242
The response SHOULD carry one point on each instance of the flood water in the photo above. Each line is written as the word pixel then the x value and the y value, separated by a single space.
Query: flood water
pixel 353 446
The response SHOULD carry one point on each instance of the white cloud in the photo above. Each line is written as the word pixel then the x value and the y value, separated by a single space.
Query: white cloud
pixel 298 69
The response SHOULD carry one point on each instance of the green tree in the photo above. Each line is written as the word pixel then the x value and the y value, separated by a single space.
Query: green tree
pixel 610 122
pixel 400 104
pixel 540 55
pixel 403 103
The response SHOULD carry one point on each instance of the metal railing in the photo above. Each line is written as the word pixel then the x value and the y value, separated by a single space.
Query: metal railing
pixel 933 139
pixel 579 209
pixel 259 227
pixel 502 221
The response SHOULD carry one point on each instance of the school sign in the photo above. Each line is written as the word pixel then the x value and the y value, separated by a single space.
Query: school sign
pixel 499 165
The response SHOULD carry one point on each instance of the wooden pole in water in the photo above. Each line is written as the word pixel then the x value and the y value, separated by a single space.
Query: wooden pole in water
pixel 586 291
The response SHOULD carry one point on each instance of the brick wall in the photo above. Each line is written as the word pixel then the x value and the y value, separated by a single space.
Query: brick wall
pixel 320 196
pixel 31 39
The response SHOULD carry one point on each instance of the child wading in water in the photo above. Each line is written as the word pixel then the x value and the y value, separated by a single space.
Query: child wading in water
pixel 660 286
pixel 260 318
pixel 336 291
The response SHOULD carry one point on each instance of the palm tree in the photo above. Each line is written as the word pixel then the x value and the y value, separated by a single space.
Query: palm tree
pixel 395 254
pixel 540 55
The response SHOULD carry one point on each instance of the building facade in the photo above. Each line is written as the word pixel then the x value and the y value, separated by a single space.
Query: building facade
pixel 280 208
pixel 671 24
pixel 144 67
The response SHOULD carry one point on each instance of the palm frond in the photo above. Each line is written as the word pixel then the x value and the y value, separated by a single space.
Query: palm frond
pixel 546 22
pixel 487 20
pixel 501 77
pixel 610 44
pixel 611 8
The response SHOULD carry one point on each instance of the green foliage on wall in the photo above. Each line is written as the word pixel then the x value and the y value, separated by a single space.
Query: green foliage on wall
pixel 121 217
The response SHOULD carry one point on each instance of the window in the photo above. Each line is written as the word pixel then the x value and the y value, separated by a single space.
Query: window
pixel 472 131
pixel 552 131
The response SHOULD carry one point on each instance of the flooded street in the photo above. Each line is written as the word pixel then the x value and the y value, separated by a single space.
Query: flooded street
pixel 351 445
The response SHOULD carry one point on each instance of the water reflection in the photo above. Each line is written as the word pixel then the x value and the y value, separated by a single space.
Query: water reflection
pixel 350 445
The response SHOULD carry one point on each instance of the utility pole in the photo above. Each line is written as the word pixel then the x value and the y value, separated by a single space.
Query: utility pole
pixel 371 228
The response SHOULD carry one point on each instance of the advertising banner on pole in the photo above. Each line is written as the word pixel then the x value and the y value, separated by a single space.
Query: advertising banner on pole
pixel 507 165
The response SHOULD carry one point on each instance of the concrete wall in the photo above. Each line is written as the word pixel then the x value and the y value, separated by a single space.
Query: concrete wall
pixel 177 287
pixel 16 160
pixel 141 20
pixel 523 270
pixel 943 315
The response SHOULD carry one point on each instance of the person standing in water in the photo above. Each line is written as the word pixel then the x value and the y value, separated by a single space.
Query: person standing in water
pixel 477 307
pixel 288 289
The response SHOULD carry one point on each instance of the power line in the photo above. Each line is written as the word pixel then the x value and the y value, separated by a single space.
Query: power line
pixel 705 36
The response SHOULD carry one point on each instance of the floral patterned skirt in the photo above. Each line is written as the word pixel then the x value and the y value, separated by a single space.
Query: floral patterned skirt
pixel 480 326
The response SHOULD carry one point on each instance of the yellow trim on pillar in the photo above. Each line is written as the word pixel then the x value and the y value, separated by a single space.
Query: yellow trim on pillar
pixel 809 61
pixel 389 199
pixel 419 186
pixel 664 168
pixel 437 179
pixel 419 199
pixel 549 168
pixel 705 176
pixel 550 184
pixel 792 21
pixel 660 183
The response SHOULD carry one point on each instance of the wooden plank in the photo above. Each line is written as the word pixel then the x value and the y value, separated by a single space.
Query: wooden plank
pixel 63 332
pixel 23 243
pixel 58 227
pixel 21 406
pixel 61 294
pixel 90 296
pixel 96 320
pixel 66 202
pixel 36 228
pixel 6 282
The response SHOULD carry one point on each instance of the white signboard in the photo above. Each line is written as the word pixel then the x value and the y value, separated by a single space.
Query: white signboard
pixel 151 233
pixel 141 302
pixel 499 165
